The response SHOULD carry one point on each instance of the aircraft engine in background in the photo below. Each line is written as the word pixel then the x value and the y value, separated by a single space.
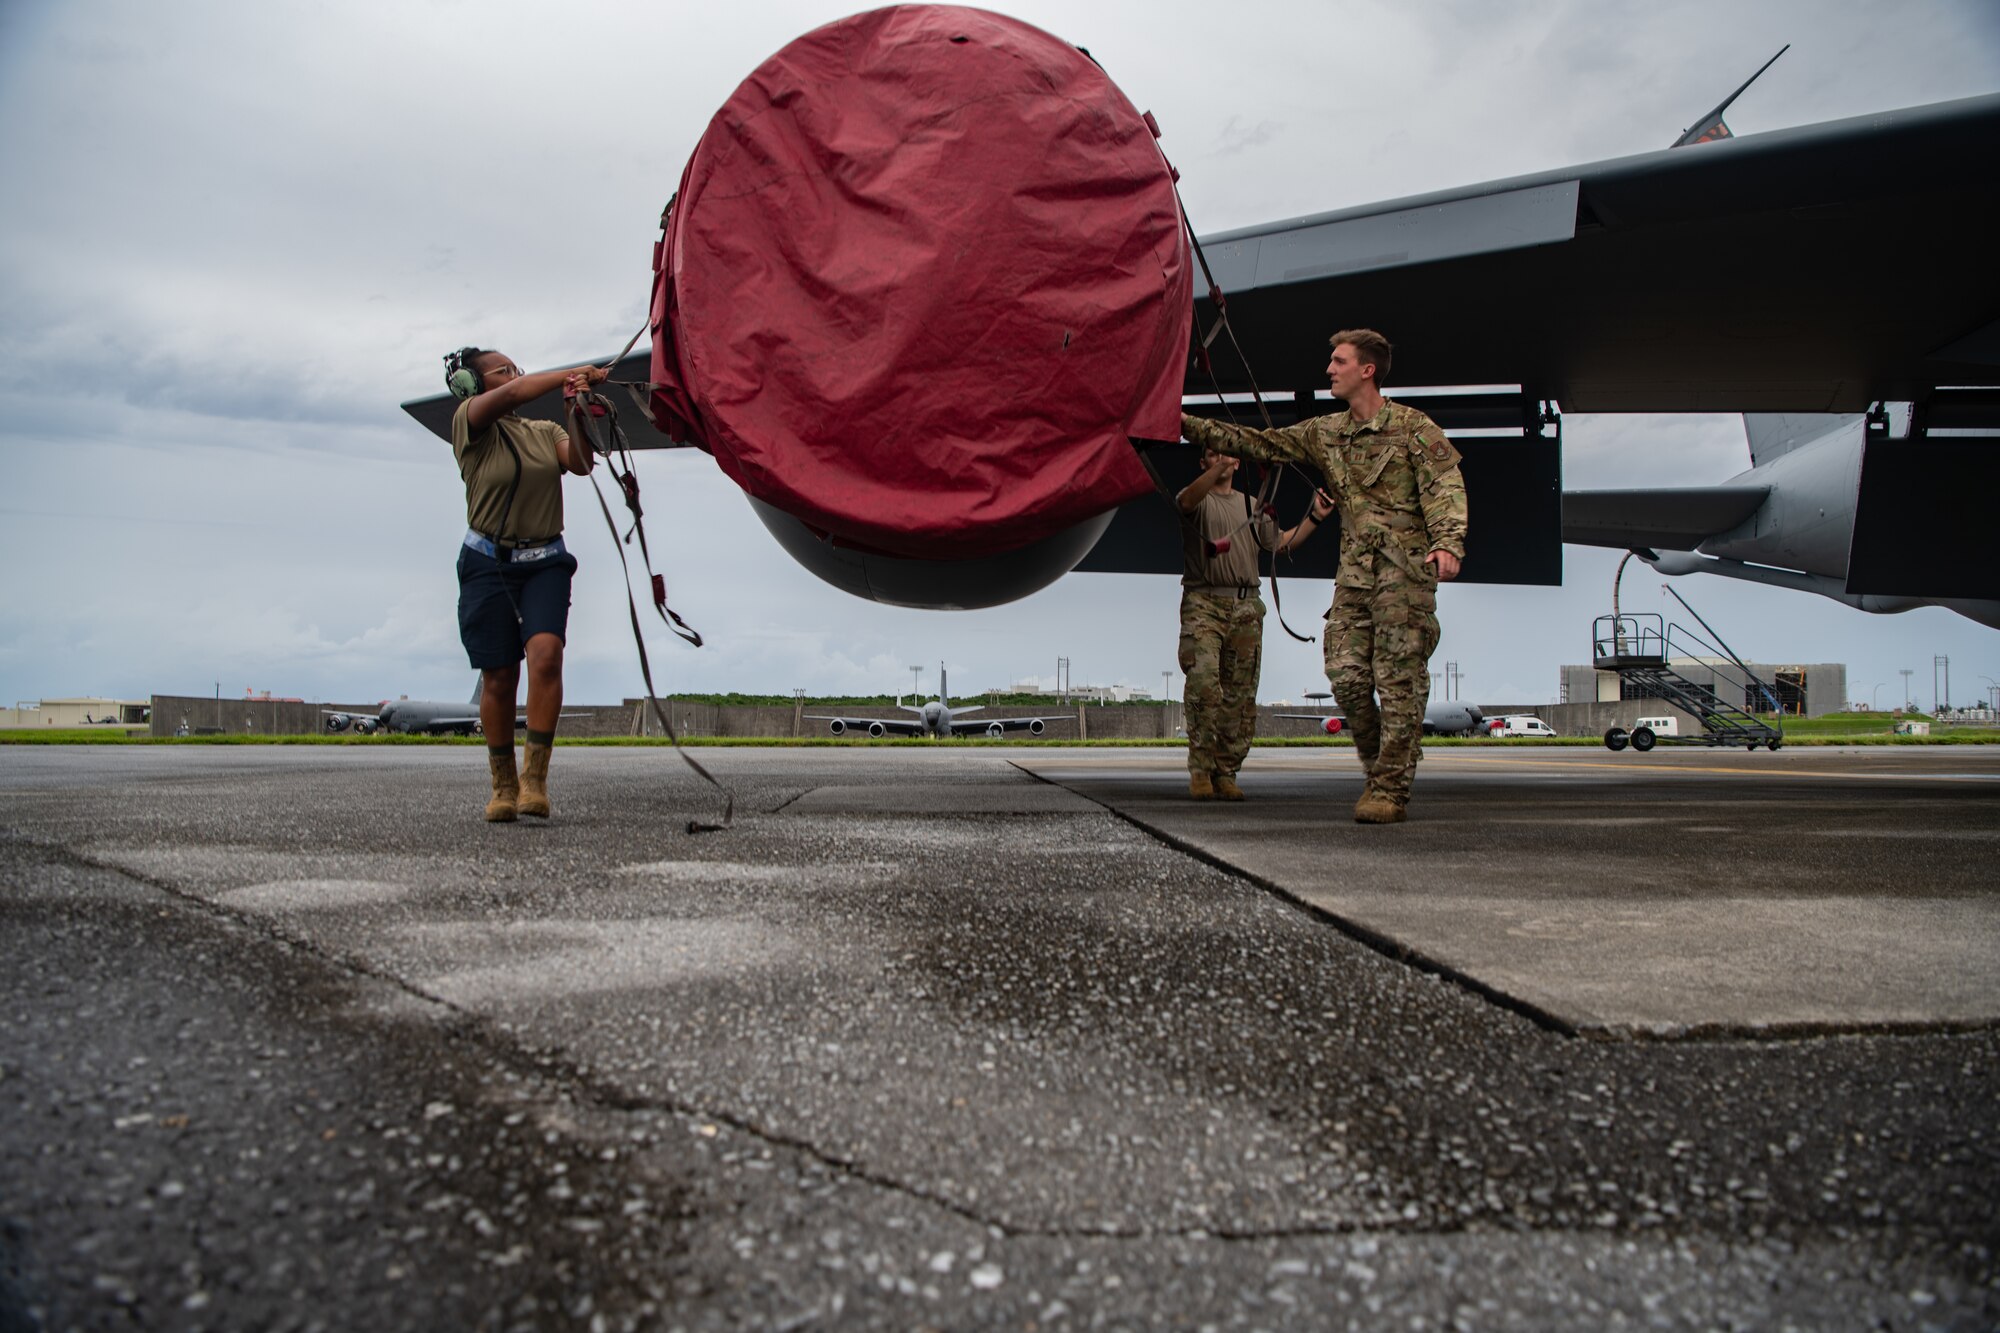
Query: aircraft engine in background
pixel 877 730
pixel 1035 728
pixel 337 722
pixel 996 731
pixel 1332 726
pixel 837 727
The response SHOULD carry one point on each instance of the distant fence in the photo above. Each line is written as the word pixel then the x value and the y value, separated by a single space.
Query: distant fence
pixel 206 716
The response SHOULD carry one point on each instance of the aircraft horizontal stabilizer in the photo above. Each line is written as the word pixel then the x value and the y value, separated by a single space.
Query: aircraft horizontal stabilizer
pixel 1677 518
pixel 1772 435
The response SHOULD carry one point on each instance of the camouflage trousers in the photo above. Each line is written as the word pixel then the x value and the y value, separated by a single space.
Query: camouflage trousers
pixel 1221 651
pixel 1378 650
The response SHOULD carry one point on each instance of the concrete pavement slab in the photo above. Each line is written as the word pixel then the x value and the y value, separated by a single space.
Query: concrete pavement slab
pixel 1664 894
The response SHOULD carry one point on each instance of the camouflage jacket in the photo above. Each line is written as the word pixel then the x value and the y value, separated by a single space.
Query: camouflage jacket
pixel 1395 478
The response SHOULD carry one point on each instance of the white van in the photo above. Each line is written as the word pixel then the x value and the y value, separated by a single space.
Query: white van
pixel 1523 725
pixel 1659 726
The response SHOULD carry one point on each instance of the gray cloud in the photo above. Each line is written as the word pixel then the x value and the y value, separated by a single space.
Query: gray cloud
pixel 1235 136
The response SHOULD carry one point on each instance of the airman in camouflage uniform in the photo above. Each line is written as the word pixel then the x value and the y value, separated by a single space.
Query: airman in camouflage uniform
pixel 1395 478
pixel 1222 619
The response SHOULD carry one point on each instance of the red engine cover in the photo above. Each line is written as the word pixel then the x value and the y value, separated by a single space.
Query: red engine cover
pixel 924 277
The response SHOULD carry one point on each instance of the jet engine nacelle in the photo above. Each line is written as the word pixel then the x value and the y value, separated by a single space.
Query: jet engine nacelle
pixel 337 722
pixel 996 731
pixel 936 585
pixel 1035 728
pixel 837 727
pixel 877 730
pixel 1332 725
pixel 365 725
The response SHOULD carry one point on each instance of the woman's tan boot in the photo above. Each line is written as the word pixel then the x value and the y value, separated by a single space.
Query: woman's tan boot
pixel 506 787
pixel 535 781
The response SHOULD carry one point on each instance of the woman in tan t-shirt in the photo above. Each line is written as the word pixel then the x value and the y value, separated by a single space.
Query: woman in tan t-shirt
pixel 513 570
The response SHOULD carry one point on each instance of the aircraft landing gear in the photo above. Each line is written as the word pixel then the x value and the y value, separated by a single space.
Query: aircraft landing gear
pixel 1615 739
pixel 1642 739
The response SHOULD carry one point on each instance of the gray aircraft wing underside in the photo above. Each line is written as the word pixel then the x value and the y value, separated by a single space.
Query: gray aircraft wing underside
pixel 1815 269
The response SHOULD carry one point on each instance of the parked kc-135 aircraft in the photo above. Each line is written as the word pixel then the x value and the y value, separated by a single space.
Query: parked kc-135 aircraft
pixel 938 718
pixel 419 716
pixel 1826 277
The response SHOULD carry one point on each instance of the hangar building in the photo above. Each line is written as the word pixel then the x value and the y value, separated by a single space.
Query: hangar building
pixel 1810 690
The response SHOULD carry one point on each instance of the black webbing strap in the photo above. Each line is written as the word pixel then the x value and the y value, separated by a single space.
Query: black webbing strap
pixel 1222 324
pixel 1268 490
pixel 590 408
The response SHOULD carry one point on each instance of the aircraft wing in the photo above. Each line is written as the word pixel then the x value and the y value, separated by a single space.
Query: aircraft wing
pixel 898 725
pixel 1816 269
pixel 1813 269
pixel 1668 519
pixel 979 726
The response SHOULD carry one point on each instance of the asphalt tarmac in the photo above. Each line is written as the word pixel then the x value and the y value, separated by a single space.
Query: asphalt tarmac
pixel 990 1036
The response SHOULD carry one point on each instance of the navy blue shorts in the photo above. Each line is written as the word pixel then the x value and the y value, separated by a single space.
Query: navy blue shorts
pixel 493 638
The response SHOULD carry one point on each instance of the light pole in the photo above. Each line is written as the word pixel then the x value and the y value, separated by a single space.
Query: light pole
pixel 1875 699
pixel 1906 673
pixel 915 672
pixel 1940 663
pixel 1166 704
pixel 1992 693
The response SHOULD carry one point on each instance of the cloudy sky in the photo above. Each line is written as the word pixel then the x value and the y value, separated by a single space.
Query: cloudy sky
pixel 235 236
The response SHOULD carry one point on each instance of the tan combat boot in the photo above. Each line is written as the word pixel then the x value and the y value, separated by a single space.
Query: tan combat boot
pixel 535 781
pixel 1201 786
pixel 1376 808
pixel 506 787
pixel 1226 788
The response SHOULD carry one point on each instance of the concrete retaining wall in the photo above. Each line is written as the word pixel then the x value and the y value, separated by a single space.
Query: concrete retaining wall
pixel 277 717
pixel 1123 722
pixel 207 716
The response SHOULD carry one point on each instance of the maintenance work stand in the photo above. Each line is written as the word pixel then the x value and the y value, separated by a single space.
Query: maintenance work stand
pixel 1643 655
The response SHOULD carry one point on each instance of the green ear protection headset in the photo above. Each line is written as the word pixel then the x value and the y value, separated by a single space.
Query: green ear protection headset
pixel 459 375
